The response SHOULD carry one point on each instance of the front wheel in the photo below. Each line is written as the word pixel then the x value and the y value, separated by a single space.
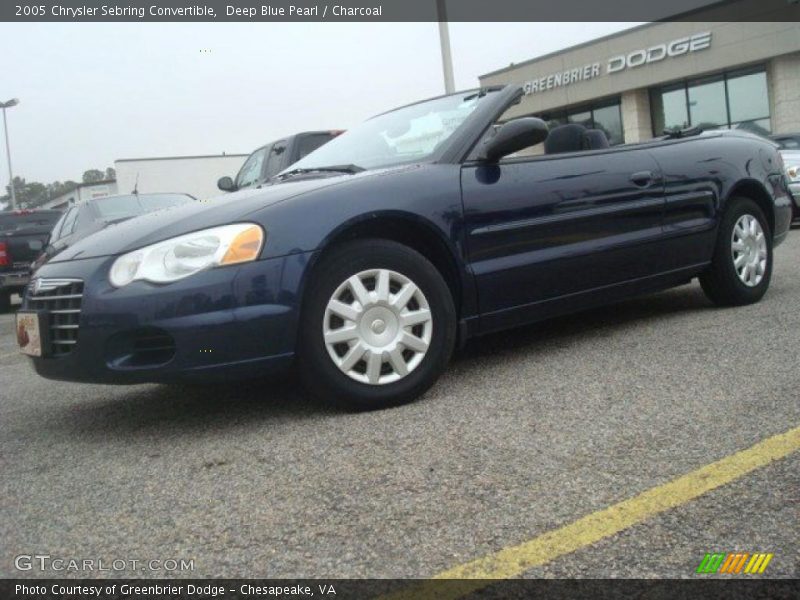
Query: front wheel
pixel 741 268
pixel 378 325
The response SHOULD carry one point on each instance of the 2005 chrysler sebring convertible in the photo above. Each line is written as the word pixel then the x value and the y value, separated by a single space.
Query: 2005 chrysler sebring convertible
pixel 369 260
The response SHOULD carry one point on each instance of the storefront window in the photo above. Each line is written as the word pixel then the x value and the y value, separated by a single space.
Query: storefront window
pixel 581 118
pixel 670 110
pixel 555 121
pixel 749 104
pixel 707 104
pixel 737 100
pixel 604 116
pixel 609 120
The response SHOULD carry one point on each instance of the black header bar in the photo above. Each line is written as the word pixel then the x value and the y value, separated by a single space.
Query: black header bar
pixel 396 10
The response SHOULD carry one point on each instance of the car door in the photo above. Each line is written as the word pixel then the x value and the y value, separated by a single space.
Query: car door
pixel 542 228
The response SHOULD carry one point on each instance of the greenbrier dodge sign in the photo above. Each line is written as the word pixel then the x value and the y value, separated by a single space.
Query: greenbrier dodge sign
pixel 616 64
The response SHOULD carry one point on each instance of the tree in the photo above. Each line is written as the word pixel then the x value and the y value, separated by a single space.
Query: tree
pixel 34 194
pixel 28 194
pixel 93 175
pixel 19 183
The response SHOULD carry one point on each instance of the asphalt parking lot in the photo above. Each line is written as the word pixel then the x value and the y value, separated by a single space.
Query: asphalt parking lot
pixel 528 431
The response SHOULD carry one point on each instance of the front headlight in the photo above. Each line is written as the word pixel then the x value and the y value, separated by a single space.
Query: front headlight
pixel 186 255
pixel 793 173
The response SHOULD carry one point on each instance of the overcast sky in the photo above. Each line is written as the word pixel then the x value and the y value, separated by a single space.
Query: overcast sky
pixel 92 93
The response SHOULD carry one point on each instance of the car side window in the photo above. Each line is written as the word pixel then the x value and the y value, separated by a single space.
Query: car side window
pixel 56 232
pixel 308 143
pixel 84 220
pixel 251 170
pixel 69 222
pixel 275 159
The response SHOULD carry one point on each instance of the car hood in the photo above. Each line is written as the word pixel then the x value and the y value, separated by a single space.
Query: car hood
pixel 154 227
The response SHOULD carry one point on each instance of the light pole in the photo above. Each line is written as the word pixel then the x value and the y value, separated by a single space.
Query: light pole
pixel 444 39
pixel 4 106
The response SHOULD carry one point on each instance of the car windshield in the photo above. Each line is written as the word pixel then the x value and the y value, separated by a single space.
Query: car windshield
pixel 122 207
pixel 406 135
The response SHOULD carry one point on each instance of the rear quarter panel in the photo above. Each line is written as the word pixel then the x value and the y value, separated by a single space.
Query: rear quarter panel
pixel 701 175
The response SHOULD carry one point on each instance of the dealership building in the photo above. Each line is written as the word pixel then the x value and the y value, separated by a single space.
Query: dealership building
pixel 193 175
pixel 641 81
pixel 83 192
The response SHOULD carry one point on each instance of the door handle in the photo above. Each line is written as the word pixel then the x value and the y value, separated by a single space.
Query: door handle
pixel 643 178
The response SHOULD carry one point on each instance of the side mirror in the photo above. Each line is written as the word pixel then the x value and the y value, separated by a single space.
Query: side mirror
pixel 513 136
pixel 226 184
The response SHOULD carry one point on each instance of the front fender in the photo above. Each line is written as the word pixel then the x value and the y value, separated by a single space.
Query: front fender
pixel 427 197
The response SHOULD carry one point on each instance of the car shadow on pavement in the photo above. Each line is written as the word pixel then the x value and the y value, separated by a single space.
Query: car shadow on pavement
pixel 149 409
pixel 144 410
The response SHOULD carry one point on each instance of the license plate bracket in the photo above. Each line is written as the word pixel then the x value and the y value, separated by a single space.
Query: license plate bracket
pixel 32 332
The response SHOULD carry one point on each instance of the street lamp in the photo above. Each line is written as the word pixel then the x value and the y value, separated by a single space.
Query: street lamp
pixel 444 41
pixel 4 106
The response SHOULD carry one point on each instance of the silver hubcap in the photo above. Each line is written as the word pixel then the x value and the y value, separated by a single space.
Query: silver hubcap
pixel 749 250
pixel 377 326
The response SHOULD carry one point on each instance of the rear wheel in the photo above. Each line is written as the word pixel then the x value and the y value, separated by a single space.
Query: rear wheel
pixel 741 268
pixel 378 325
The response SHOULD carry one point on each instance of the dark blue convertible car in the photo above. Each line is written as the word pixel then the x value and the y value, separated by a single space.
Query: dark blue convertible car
pixel 374 256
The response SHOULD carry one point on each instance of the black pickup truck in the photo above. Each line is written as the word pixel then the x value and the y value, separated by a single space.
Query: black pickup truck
pixel 23 235
pixel 270 159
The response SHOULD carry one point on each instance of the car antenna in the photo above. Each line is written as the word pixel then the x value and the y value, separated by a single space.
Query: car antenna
pixel 136 185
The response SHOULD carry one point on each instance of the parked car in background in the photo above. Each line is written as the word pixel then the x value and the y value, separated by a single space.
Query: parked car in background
pixel 787 141
pixel 790 152
pixel 82 220
pixel 271 159
pixel 370 259
pixel 23 235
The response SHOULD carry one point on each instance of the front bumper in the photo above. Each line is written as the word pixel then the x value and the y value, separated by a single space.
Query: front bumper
pixel 14 281
pixel 225 323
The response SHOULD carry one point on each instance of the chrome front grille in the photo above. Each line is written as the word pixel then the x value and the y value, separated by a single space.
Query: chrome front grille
pixel 61 298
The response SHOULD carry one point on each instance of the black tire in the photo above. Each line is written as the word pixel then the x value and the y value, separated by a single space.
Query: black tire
pixel 5 302
pixel 721 282
pixel 317 370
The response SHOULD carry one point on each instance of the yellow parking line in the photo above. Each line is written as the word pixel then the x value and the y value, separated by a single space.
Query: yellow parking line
pixel 513 561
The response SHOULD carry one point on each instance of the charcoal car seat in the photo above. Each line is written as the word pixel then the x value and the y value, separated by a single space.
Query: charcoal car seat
pixel 597 139
pixel 566 138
